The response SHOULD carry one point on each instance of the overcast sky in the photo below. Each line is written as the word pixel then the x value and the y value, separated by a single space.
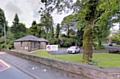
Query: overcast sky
pixel 27 11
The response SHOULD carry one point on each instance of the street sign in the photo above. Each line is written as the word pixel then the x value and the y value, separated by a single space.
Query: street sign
pixel 52 47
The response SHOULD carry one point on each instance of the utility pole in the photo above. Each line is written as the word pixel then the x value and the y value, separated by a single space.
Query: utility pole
pixel 5 33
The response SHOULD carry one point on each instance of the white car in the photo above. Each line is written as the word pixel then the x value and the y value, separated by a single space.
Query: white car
pixel 73 49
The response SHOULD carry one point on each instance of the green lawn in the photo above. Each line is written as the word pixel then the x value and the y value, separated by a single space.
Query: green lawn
pixel 102 59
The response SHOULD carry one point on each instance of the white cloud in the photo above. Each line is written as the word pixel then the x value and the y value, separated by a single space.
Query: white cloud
pixel 27 11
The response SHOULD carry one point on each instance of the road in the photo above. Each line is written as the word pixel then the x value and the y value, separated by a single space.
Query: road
pixel 7 71
pixel 21 68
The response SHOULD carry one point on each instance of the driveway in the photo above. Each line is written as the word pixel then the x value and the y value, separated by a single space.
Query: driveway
pixel 64 50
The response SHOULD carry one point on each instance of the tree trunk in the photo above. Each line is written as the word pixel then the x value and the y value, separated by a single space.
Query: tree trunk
pixel 87 42
pixel 99 41
pixel 68 32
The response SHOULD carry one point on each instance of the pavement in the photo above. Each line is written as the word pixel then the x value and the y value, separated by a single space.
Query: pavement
pixel 32 70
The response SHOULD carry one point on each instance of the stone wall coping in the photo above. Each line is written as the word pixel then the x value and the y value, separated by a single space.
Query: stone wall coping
pixel 103 69
pixel 84 70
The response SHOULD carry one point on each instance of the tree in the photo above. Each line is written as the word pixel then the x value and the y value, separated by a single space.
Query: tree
pixel 69 23
pixel 79 36
pixel 37 29
pixel 90 11
pixel 47 22
pixel 57 30
pixel 18 29
pixel 34 23
pixel 3 25
pixel 101 30
pixel 34 30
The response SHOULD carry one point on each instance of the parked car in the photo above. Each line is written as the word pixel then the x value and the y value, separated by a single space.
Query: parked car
pixel 73 49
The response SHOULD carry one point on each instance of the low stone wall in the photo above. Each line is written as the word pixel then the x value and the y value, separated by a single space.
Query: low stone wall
pixel 88 71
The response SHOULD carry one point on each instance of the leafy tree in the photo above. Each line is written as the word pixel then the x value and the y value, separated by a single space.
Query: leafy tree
pixel 57 30
pixel 37 29
pixel 90 11
pixel 2 22
pixel 34 22
pixel 34 30
pixel 18 29
pixel 3 25
pixel 47 22
pixel 102 31
pixel 69 23
pixel 79 36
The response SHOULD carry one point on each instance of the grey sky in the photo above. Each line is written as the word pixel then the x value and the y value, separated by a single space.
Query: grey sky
pixel 27 11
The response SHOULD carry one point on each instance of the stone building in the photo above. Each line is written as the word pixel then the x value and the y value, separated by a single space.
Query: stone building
pixel 30 43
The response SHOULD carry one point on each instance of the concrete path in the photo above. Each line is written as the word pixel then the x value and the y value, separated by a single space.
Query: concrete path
pixel 36 70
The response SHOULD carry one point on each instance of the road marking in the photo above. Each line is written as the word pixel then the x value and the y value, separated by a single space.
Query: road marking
pixel 3 66
pixel 2 52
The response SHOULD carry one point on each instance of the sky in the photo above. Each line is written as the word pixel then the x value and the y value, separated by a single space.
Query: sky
pixel 27 11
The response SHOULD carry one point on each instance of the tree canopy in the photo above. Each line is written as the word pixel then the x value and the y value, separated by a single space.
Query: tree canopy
pixel 18 29
pixel 90 11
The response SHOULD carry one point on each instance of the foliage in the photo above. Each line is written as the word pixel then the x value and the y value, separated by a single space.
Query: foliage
pixel 47 22
pixel 90 11
pixel 33 30
pixel 67 42
pixel 69 23
pixel 18 29
pixel 58 30
pixel 115 37
pixel 79 37
pixel 114 51
pixel 54 41
pixel 3 22
pixel 99 47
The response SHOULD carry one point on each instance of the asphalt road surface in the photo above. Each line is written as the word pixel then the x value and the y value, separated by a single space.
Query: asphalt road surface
pixel 64 50
pixel 7 71
pixel 21 68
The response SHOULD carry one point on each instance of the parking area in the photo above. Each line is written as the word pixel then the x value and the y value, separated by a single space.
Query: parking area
pixel 62 51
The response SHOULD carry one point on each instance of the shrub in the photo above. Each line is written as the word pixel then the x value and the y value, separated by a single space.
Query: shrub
pixel 54 41
pixel 67 42
pixel 99 47
pixel 114 51
pixel 4 46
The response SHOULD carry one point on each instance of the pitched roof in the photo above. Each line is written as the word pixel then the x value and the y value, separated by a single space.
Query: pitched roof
pixel 28 38
pixel 31 38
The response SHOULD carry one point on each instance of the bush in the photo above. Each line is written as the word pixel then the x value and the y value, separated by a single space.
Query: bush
pixel 67 42
pixel 4 46
pixel 114 51
pixel 99 47
pixel 54 41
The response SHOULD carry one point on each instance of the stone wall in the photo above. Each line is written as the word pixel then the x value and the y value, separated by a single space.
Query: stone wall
pixel 88 71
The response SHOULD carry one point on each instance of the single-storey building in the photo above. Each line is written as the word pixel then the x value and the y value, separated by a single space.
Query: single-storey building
pixel 30 43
